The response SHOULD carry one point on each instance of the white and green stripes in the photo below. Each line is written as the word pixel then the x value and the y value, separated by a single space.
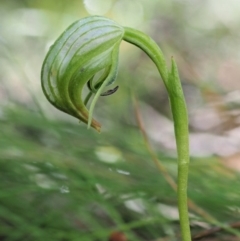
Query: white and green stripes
pixel 84 48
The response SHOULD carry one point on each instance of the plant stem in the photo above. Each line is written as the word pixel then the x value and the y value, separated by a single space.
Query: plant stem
pixel 149 46
pixel 180 118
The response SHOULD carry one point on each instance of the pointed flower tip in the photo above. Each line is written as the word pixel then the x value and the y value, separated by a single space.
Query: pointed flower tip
pixel 95 125
pixel 97 128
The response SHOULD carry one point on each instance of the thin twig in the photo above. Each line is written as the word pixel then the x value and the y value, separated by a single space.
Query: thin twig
pixel 214 230
pixel 153 155
pixel 194 207
pixel 161 167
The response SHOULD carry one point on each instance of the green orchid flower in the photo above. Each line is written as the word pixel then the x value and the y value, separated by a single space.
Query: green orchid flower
pixel 83 50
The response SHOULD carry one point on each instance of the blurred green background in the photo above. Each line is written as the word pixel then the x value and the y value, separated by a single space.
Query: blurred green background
pixel 60 181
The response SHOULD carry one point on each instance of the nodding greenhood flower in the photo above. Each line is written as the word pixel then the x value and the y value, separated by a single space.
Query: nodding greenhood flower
pixel 87 54
pixel 85 48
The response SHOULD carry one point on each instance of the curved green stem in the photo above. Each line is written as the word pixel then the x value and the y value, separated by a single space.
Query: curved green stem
pixel 180 118
pixel 147 44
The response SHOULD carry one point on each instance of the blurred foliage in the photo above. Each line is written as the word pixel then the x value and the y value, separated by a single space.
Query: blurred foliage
pixel 60 181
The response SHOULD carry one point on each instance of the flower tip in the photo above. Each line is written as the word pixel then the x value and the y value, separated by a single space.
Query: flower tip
pixel 97 128
pixel 95 125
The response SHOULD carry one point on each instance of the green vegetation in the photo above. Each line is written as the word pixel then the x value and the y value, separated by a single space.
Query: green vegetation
pixel 57 185
pixel 91 45
pixel 60 181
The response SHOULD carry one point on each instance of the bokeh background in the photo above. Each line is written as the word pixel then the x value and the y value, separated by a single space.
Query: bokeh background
pixel 60 181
